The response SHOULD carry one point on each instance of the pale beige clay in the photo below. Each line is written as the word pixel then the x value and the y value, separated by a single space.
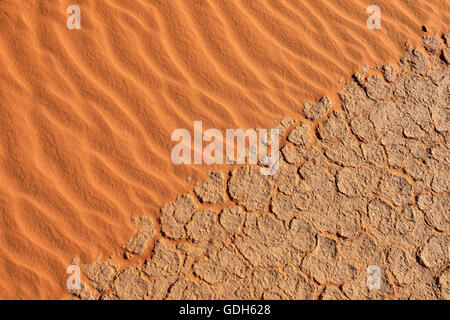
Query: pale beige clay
pixel 366 184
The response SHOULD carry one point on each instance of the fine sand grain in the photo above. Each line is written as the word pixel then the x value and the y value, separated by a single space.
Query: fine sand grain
pixel 367 186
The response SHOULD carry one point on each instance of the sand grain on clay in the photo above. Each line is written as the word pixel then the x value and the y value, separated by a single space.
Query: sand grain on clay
pixel 368 186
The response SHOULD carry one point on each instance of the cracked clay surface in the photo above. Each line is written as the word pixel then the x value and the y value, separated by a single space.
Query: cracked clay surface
pixel 360 185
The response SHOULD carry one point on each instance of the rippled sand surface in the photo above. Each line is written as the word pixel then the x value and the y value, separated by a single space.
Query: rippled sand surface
pixel 86 115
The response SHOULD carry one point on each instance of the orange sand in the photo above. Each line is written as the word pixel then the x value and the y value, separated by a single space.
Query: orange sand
pixel 86 115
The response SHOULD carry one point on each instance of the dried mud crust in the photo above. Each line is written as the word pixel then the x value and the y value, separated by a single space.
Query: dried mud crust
pixel 361 185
